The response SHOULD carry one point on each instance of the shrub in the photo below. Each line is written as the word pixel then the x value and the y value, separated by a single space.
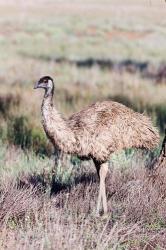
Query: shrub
pixel 7 102
pixel 20 133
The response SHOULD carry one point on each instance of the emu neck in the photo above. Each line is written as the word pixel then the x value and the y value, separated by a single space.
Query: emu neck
pixel 48 96
pixel 47 100
pixel 56 126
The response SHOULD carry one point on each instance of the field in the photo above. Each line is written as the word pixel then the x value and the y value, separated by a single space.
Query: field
pixel 95 50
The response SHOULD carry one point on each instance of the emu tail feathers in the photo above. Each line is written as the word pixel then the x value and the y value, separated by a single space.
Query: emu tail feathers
pixel 148 134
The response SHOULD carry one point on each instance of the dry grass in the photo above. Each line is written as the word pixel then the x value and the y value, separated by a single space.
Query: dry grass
pixel 30 219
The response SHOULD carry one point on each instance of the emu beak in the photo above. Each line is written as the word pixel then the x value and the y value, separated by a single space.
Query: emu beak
pixel 36 85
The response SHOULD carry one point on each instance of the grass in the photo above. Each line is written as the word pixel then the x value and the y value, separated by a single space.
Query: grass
pixel 37 35
pixel 92 30
pixel 29 43
pixel 95 51
pixel 30 219
pixel 20 119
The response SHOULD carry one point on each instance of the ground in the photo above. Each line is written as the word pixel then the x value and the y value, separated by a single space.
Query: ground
pixel 95 50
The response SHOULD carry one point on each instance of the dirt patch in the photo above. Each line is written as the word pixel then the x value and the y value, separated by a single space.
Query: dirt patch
pixel 115 33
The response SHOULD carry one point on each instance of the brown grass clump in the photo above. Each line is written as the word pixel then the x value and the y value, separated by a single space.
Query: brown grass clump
pixel 16 204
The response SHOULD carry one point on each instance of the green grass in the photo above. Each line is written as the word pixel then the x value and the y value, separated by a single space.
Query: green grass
pixel 21 162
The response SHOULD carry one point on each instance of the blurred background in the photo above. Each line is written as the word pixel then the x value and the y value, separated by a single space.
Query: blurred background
pixel 94 50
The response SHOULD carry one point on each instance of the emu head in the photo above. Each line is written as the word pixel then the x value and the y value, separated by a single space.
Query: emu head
pixel 46 83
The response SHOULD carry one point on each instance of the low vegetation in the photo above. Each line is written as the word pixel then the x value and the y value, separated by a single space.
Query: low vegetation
pixel 92 55
pixel 30 219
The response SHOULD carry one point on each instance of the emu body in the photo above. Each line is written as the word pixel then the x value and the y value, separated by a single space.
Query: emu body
pixel 96 132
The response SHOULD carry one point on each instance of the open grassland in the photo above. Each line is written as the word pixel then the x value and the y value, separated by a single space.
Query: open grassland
pixel 95 50
pixel 128 29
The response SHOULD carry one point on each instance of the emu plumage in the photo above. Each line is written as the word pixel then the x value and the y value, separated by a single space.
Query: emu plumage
pixel 96 131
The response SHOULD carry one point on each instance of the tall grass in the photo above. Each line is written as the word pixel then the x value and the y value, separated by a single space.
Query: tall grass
pixel 21 126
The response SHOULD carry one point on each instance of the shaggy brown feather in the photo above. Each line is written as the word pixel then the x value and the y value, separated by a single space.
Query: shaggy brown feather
pixel 96 131
pixel 107 127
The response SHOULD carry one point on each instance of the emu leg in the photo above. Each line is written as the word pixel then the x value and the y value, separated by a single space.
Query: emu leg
pixel 57 156
pixel 102 172
pixel 54 171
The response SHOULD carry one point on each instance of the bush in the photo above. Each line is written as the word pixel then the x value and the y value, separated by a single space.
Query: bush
pixel 7 102
pixel 20 133
pixel 159 112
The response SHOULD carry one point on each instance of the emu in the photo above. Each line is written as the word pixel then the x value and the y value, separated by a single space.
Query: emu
pixel 96 132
